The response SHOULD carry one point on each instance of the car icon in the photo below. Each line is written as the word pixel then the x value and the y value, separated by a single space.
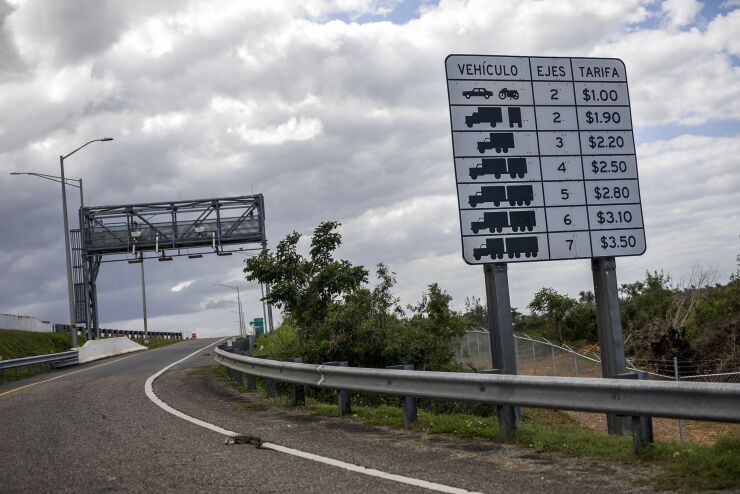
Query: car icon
pixel 478 91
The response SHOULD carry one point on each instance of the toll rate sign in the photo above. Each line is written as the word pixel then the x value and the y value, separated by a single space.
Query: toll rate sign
pixel 544 158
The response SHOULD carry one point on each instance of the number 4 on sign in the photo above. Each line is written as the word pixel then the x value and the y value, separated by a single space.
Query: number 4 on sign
pixel 562 167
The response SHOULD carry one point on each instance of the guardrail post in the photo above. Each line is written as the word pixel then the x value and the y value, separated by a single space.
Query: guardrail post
pixel 343 396
pixel 269 383
pixel 646 423
pixel 239 379
pixel 408 403
pixel 503 412
pixel 299 390
pixel 642 427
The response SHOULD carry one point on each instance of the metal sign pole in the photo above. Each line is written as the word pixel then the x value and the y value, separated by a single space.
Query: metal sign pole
pixel 609 324
pixel 503 357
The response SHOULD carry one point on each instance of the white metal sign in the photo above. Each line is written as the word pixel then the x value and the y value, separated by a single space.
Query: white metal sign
pixel 544 158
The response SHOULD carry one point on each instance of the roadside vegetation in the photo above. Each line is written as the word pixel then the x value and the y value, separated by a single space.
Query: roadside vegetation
pixel 331 312
pixel 334 312
pixel 17 344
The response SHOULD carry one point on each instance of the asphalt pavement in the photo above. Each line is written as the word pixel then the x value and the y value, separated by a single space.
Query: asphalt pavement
pixel 93 429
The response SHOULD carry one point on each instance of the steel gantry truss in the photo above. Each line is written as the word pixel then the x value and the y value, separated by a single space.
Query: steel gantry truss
pixel 160 230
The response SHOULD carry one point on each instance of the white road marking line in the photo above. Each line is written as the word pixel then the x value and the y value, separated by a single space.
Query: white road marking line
pixel 433 486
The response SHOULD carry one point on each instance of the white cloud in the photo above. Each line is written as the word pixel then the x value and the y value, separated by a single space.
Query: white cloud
pixel 680 12
pixel 163 123
pixel 295 129
pixel 182 285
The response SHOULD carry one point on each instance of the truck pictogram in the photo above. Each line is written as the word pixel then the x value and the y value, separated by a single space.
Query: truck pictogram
pixel 514 247
pixel 489 114
pixel 500 141
pixel 488 193
pixel 518 246
pixel 493 247
pixel 489 166
pixel 517 195
pixel 514 167
pixel 495 221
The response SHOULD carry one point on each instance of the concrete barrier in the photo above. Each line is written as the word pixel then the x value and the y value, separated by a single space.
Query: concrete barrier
pixel 107 347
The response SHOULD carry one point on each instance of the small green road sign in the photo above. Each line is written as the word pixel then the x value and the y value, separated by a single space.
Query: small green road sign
pixel 259 326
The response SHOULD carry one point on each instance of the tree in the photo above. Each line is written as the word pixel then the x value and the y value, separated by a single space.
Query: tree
pixel 305 289
pixel 428 337
pixel 554 307
pixel 475 312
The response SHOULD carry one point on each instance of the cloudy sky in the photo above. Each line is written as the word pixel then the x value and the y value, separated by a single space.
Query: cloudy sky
pixel 334 110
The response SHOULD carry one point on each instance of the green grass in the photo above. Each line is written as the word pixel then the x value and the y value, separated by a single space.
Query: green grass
pixel 691 468
pixel 17 344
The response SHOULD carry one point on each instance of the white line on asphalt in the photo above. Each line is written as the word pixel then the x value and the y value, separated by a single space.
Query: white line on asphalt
pixel 433 486
pixel 290 451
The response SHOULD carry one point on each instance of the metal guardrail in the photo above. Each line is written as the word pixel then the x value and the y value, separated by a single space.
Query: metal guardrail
pixel 55 360
pixel 701 401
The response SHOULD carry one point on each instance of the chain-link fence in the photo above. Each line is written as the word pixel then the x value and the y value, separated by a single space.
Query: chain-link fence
pixel 538 356
pixel 535 357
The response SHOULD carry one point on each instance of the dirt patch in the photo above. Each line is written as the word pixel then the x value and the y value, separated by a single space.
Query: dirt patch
pixel 695 431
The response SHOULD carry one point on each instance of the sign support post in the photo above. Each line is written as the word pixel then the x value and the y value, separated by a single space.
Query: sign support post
pixel 609 325
pixel 503 356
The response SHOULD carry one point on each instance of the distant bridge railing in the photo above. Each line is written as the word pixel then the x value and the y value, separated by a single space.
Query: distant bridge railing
pixel 108 333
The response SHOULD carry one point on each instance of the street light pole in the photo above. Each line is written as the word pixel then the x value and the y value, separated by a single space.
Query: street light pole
pixel 67 250
pixel 241 314
pixel 68 254
pixel 143 300
pixel 242 325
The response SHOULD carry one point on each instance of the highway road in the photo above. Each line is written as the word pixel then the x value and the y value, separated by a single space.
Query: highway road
pixel 94 429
